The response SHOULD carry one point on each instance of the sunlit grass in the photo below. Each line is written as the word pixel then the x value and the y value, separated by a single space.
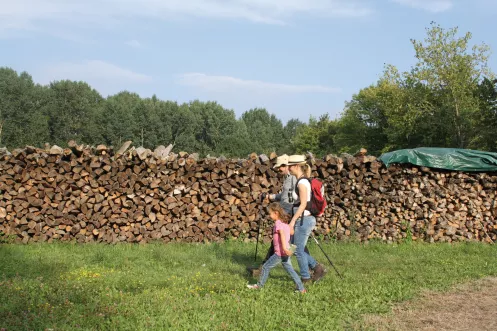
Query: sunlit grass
pixel 202 286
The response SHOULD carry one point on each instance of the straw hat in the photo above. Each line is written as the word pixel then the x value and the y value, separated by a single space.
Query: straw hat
pixel 281 160
pixel 296 159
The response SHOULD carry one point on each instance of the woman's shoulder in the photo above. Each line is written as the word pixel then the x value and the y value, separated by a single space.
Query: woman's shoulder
pixel 304 180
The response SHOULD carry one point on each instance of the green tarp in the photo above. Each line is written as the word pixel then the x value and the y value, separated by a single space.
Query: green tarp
pixel 444 158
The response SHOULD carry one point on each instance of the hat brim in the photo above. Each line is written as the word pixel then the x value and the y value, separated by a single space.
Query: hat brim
pixel 277 165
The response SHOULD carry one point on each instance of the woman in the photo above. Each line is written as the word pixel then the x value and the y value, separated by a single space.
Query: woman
pixel 302 221
pixel 286 199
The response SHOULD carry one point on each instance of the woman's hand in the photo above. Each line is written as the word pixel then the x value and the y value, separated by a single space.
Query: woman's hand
pixel 292 227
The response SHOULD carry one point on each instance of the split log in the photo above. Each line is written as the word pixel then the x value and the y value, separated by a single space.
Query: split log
pixel 89 194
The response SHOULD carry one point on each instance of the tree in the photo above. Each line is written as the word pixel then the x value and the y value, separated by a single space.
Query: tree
pixel 289 133
pixel 146 123
pixel 22 103
pixel 116 119
pixel 436 103
pixel 164 111
pixel 184 125
pixel 364 122
pixel 486 123
pixel 265 131
pixel 452 73
pixel 318 136
pixel 237 143
pixel 72 111
pixel 217 127
pixel 352 130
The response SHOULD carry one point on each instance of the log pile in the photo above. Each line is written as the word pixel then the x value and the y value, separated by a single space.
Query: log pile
pixel 370 201
pixel 89 194
pixel 133 195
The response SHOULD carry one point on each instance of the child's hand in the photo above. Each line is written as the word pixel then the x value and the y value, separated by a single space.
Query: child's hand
pixel 287 252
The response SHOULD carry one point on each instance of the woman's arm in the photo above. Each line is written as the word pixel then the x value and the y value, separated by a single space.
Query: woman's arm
pixel 283 243
pixel 303 203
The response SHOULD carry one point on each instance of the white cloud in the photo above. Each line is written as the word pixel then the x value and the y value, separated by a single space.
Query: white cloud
pixel 229 84
pixel 133 43
pixel 95 69
pixel 434 6
pixel 106 78
pixel 27 14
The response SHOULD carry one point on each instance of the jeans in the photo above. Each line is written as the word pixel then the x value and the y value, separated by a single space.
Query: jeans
pixel 287 264
pixel 302 232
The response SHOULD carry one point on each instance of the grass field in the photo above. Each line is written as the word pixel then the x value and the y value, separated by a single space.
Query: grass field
pixel 202 286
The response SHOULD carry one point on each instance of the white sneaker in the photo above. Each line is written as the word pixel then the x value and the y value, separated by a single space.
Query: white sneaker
pixel 253 286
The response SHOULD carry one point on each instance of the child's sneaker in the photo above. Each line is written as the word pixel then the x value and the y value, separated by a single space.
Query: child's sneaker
pixel 253 286
pixel 303 291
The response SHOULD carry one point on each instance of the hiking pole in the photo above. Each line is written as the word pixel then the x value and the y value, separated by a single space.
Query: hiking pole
pixel 329 260
pixel 263 195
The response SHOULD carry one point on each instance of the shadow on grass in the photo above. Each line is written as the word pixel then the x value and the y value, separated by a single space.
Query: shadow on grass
pixel 26 281
pixel 17 263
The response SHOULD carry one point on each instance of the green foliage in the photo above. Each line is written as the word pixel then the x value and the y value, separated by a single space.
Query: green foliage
pixel 162 128
pixel 203 286
pixel 116 119
pixel 290 133
pixel 22 105
pixel 318 136
pixel 486 119
pixel 443 101
pixel 447 99
pixel 452 73
pixel 364 123
pixel 265 131
pixel 217 128
pixel 72 110
pixel 32 115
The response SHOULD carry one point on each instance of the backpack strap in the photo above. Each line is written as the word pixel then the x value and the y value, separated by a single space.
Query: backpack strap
pixel 307 205
pixel 296 188
pixel 292 186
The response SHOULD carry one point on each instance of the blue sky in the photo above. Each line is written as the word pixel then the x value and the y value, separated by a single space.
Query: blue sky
pixel 296 58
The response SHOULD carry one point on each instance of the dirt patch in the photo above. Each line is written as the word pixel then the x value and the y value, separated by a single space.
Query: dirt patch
pixel 470 306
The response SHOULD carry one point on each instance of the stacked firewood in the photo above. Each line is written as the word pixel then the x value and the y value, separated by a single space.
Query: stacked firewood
pixel 88 194
pixel 133 195
pixel 370 201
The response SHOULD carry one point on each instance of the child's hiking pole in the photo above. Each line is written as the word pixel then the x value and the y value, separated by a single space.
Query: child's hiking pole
pixel 259 225
pixel 329 260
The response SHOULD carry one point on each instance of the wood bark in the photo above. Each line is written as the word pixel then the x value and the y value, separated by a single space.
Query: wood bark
pixel 87 194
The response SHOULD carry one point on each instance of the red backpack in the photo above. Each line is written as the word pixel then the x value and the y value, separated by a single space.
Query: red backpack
pixel 318 203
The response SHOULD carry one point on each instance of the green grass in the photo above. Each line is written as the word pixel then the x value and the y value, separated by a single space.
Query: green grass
pixel 202 286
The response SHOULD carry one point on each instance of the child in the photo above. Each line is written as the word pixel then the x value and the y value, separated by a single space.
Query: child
pixel 281 238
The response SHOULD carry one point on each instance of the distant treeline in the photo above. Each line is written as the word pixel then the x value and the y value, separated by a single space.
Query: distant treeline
pixel 33 114
pixel 447 99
